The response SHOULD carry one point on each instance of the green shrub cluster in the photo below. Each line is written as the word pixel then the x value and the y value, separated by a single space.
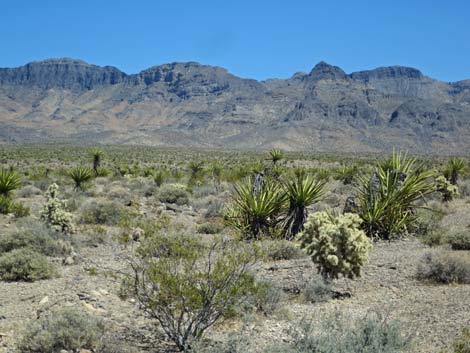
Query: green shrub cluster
pixel 336 245
pixel 173 193
pixel 67 329
pixel 449 191
pixel 445 267
pixel 102 212
pixel 25 264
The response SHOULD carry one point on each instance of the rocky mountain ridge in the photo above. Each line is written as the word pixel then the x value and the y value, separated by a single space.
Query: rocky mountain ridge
pixel 194 105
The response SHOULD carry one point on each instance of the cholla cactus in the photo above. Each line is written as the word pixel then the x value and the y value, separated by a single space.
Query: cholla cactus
pixel 446 188
pixel 54 212
pixel 336 245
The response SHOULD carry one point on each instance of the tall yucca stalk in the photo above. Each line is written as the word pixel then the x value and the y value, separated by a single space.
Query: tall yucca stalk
pixel 388 200
pixel 9 181
pixel 256 211
pixel 97 155
pixel 302 191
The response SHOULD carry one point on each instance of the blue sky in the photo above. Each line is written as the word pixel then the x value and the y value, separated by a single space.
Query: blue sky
pixel 256 39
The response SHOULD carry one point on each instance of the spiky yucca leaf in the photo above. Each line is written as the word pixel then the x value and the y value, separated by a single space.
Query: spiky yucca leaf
pixel 9 181
pixel 276 155
pixel 81 175
pixel 301 192
pixel 256 211
pixel 389 198
pixel 454 168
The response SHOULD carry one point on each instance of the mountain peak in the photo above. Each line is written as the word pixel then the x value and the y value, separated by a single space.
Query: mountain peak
pixel 387 72
pixel 325 71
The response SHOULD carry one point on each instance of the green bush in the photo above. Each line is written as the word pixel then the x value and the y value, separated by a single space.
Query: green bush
pixel 109 213
pixel 25 264
pixel 209 228
pixel 317 291
pixel 342 334
pixel 460 241
pixel 195 287
pixel 282 250
pixel 445 267
pixel 173 193
pixel 7 205
pixel 462 343
pixel 36 236
pixel 66 329
pixel 336 245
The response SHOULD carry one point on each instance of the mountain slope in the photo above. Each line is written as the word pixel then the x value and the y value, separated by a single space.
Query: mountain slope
pixel 194 105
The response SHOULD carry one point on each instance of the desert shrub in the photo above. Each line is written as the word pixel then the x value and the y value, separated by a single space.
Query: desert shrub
pixel 388 200
pixel 208 228
pixel 81 176
pixel 459 241
pixel 173 193
pixel 301 192
pixel 336 245
pixel 9 181
pixel 445 267
pixel 282 250
pixel 54 212
pixel 102 172
pixel 266 297
pixel 66 329
pixel 341 334
pixel 235 343
pixel 462 343
pixel 35 236
pixel 7 205
pixel 257 207
pixel 25 264
pixel 192 289
pixel 317 291
pixel 104 212
pixel 447 190
pixel 28 191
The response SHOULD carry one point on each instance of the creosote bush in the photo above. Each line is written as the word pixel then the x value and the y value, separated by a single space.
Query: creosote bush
pixel 102 212
pixel 173 193
pixel 445 267
pixel 66 329
pixel 339 333
pixel 459 241
pixel 336 245
pixel 187 286
pixel 25 264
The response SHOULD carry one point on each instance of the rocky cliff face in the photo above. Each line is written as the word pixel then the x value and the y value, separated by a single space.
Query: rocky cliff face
pixel 189 104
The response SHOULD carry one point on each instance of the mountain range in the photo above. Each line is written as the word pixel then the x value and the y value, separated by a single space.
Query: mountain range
pixel 193 105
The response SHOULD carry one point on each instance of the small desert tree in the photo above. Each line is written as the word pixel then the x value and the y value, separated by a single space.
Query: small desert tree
pixel 97 155
pixel 187 286
pixel 454 168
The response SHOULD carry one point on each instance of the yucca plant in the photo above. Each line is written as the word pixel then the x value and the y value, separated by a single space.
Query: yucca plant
pixel 276 155
pixel 256 211
pixel 454 168
pixel 97 155
pixel 81 175
pixel 159 178
pixel 302 191
pixel 9 181
pixel 389 199
pixel 347 173
pixel 215 171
